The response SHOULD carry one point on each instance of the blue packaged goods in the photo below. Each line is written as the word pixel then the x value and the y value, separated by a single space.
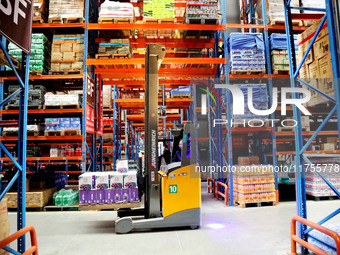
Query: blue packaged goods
pixel 181 92
pixel 246 41
pixel 259 101
pixel 279 42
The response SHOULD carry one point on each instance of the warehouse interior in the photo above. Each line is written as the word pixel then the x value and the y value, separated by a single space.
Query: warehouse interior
pixel 203 124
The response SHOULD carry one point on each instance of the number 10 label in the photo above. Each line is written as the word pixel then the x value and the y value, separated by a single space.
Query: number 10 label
pixel 172 189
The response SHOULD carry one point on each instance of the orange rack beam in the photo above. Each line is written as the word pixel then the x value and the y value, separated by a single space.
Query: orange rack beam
pixel 133 61
pixel 45 138
pixel 141 117
pixel 163 72
pixel 73 158
pixel 174 43
pixel 159 124
pixel 138 103
pixel 141 82
pixel 307 133
pixel 43 111
pixel 61 25
pixel 49 77
pixel 176 26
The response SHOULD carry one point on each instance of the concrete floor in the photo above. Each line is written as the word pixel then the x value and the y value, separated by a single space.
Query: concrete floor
pixel 225 230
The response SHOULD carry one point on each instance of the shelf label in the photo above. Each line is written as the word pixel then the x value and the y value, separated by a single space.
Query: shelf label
pixel 89 128
pixel 16 22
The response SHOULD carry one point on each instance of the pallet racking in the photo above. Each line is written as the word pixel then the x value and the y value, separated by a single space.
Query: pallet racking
pixel 300 146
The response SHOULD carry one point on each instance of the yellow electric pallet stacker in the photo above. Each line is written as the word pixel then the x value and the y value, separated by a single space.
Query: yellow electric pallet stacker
pixel 172 199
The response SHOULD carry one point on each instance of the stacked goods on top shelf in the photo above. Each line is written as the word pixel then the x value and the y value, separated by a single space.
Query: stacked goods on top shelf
pixel 109 187
pixel 107 96
pixel 40 59
pixel 275 12
pixel 317 69
pixel 67 54
pixel 161 9
pixel 62 100
pixel 40 11
pixel 110 10
pixel 246 53
pixel 279 53
pixel 36 95
pixel 66 11
pixel 62 125
pixel 182 92
pixel 312 4
pixel 202 12
pixel 254 184
pixel 115 48
pixel 329 168
pixel 259 101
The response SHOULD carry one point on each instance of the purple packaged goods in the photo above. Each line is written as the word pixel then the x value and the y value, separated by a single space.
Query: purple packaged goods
pixel 134 195
pixel 102 185
pixel 125 195
pixel 85 186
pixel 93 197
pixel 117 195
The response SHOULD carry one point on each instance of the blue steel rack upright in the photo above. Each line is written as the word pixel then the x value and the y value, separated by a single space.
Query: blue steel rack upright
pixel 300 147
pixel 20 175
pixel 216 149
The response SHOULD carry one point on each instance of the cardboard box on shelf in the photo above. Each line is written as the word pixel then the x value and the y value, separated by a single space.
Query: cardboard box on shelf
pixel 321 47
pixel 333 140
pixel 309 32
pixel 66 47
pixel 3 210
pixel 304 72
pixel 328 147
pixel 4 233
pixel 301 52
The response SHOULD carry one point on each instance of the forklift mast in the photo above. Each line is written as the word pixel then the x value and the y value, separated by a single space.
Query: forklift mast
pixel 155 54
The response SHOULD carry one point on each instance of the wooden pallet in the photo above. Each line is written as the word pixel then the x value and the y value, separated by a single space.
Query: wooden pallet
pixel 15 133
pixel 38 20
pixel 65 20
pixel 69 106
pixel 74 207
pixel 72 132
pixel 255 204
pixel 200 21
pixel 114 207
pixel 248 72
pixel 290 129
pixel 109 56
pixel 163 33
pixel 319 198
pixel 3 60
pixel 36 72
pixel 34 199
pixel 66 72
pixel 297 23
pixel 278 71
pixel 16 107
pixel 54 133
pixel 115 20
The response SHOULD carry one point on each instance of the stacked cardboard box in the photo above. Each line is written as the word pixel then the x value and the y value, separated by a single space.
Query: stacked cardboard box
pixel 40 11
pixel 202 9
pixel 159 9
pixel 275 12
pixel 40 59
pixel 63 99
pixel 246 52
pixel 107 97
pixel 279 52
pixel 4 223
pixel 35 95
pixel 62 124
pixel 67 53
pixel 61 10
pixel 115 48
pixel 317 69
pixel 253 184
